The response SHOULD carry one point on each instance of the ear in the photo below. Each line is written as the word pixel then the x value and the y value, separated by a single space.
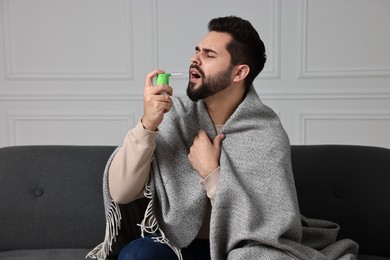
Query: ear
pixel 241 72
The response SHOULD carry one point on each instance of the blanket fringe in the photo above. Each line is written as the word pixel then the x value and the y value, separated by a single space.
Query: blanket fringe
pixel 114 218
pixel 149 224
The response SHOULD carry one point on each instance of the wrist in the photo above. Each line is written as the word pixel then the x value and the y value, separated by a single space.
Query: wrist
pixel 147 125
pixel 208 171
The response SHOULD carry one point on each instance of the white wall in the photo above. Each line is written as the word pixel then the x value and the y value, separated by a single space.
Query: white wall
pixel 72 72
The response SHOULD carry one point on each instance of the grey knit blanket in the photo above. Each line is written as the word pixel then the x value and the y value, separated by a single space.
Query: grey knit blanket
pixel 255 213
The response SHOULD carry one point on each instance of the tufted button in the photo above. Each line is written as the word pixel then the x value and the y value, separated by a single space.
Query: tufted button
pixel 338 194
pixel 38 192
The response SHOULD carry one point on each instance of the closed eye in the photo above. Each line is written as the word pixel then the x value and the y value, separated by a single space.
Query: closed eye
pixel 207 52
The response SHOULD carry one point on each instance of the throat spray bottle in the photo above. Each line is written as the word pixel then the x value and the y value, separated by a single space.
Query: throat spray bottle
pixel 163 79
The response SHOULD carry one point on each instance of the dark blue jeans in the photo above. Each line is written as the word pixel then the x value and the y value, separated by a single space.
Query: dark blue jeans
pixel 147 249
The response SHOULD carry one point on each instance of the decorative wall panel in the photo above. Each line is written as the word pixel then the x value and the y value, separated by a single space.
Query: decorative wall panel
pixel 64 128
pixel 72 39
pixel 345 39
pixel 338 127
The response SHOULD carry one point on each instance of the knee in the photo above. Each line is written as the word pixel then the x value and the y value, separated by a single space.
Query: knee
pixel 146 249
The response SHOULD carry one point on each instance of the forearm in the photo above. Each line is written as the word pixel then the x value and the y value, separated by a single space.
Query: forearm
pixel 130 167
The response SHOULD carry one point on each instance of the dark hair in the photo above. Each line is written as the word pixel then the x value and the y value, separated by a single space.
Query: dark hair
pixel 246 46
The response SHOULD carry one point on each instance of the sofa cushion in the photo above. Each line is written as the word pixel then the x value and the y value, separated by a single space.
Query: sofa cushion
pixel 54 196
pixel 43 254
pixel 348 185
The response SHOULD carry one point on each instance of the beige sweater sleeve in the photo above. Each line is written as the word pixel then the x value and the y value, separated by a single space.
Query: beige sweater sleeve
pixel 129 170
pixel 130 167
pixel 210 184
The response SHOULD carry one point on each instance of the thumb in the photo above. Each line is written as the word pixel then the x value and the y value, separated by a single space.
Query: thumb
pixel 218 140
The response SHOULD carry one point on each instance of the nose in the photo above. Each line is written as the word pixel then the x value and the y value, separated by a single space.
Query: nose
pixel 195 59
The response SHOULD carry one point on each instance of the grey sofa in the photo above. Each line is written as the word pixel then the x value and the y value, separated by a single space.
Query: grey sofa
pixel 51 203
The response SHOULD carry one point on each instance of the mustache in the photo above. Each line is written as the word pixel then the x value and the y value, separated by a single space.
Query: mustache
pixel 195 66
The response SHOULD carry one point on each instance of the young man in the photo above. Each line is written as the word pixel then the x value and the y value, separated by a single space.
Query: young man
pixel 216 164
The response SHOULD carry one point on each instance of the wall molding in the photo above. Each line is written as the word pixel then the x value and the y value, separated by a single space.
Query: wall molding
pixel 15 117
pixel 303 117
pixel 78 97
pixel 306 72
pixel 276 28
pixel 312 94
pixel 265 94
pixel 11 73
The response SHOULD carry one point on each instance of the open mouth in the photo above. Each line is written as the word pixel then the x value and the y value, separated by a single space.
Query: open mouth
pixel 195 74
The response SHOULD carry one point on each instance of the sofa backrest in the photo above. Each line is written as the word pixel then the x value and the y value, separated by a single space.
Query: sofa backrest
pixel 51 196
pixel 349 185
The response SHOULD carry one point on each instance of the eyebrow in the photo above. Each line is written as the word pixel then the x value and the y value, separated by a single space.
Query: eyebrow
pixel 207 50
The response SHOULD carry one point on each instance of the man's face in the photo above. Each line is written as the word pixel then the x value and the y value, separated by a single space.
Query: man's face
pixel 210 70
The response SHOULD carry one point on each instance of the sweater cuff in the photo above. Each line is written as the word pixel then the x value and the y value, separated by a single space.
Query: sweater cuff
pixel 210 183
pixel 142 136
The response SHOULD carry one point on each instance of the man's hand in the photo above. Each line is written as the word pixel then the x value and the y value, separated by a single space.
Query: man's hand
pixel 204 153
pixel 155 103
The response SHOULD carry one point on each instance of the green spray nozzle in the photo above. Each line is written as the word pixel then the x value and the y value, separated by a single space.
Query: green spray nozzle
pixel 164 78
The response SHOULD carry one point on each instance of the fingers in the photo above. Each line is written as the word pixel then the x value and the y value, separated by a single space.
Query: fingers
pixel 204 153
pixel 162 89
pixel 168 104
pixel 156 90
pixel 218 140
pixel 201 134
pixel 155 104
pixel 151 76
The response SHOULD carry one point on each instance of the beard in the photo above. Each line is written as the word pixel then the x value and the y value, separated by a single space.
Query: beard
pixel 210 85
